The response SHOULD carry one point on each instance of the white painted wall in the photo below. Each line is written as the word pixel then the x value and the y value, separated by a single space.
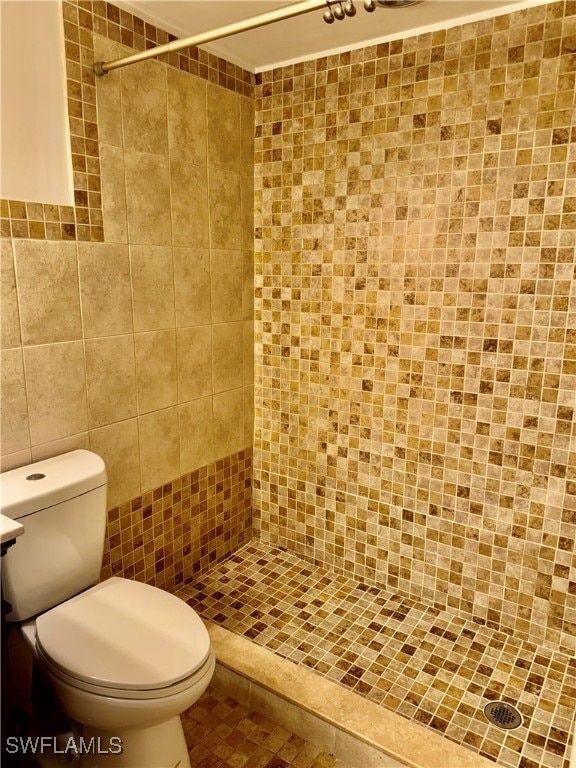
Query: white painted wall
pixel 35 157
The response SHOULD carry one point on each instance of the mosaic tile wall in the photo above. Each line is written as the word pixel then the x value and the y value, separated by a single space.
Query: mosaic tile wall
pixel 416 344
pixel 171 534
pixel 140 347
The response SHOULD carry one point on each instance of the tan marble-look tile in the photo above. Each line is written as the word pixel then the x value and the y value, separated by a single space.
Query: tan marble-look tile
pixel 223 128
pixel 48 293
pixel 113 184
pixel 111 380
pixel 232 684
pixel 194 346
pixel 408 212
pixel 228 412
pixel 156 370
pixel 56 387
pixel 145 108
pixel 225 207
pixel 14 460
pixel 247 131
pixel 189 195
pixel 159 448
pixel 118 445
pixel 248 352
pixel 289 716
pixel 58 447
pixel 196 434
pixel 247 210
pixel 248 404
pixel 226 285
pixel 354 752
pixel 15 431
pixel 192 286
pixel 187 117
pixel 10 316
pixel 108 99
pixel 105 291
pixel 248 285
pixel 227 356
pixel 148 199
pixel 152 275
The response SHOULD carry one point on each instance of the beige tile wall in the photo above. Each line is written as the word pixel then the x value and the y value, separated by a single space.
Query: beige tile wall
pixel 139 347
pixel 82 18
pixel 415 326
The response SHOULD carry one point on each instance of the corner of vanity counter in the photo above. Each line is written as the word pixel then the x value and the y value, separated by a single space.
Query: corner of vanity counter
pixel 10 530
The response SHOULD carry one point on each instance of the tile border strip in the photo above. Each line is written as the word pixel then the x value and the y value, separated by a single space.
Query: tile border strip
pixel 82 19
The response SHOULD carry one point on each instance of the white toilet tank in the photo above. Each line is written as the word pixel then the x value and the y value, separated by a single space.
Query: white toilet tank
pixel 62 504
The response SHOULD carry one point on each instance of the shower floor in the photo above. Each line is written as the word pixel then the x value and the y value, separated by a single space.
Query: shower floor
pixel 421 662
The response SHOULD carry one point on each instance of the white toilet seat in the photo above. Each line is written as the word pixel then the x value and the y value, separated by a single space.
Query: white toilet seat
pixel 134 694
pixel 124 639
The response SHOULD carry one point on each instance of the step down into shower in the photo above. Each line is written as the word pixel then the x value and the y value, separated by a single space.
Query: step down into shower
pixel 358 732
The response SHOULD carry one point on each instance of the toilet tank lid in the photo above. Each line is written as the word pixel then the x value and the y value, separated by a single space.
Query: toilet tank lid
pixel 43 484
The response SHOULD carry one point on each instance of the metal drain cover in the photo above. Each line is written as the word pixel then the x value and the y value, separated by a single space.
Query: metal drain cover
pixel 503 715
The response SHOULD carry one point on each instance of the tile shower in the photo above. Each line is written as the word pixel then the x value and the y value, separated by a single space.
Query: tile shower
pixel 421 662
pixel 415 377
pixel 415 214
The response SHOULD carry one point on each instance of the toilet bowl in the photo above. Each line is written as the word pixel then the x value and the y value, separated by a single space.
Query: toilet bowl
pixel 123 658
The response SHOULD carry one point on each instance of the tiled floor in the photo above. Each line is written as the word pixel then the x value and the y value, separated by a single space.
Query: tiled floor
pixel 423 663
pixel 221 733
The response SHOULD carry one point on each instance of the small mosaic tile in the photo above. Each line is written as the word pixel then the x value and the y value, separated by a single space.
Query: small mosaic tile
pixel 415 334
pixel 175 532
pixel 422 662
pixel 221 733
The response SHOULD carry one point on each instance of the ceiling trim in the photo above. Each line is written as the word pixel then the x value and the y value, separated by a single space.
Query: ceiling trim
pixel 215 49
pixel 448 24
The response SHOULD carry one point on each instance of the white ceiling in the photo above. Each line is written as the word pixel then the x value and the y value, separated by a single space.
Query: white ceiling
pixel 308 36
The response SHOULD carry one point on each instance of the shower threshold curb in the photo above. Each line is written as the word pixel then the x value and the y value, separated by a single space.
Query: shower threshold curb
pixel 355 729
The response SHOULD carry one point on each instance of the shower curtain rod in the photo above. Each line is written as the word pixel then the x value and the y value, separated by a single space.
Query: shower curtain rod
pixel 297 9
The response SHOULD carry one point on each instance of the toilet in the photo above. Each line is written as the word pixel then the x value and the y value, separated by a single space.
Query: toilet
pixel 124 659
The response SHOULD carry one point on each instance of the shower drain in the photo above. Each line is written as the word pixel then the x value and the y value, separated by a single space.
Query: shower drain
pixel 503 715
